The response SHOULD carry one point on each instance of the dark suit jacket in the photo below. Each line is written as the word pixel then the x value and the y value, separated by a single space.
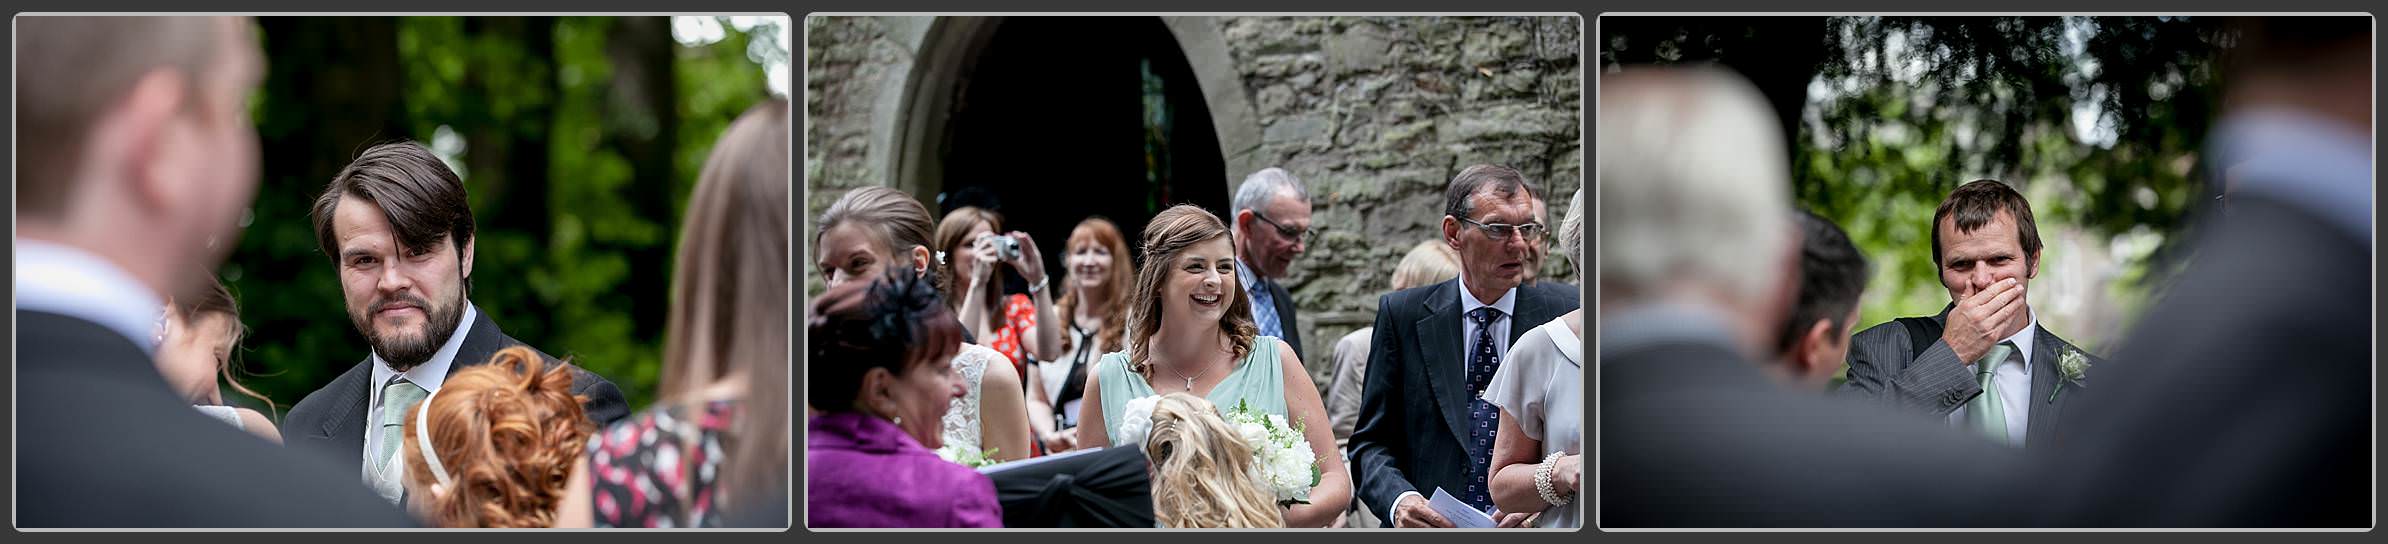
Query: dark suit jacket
pixel 104 443
pixel 332 420
pixel 2242 399
pixel 1412 434
pixel 1696 435
pixel 1883 365
pixel 1286 319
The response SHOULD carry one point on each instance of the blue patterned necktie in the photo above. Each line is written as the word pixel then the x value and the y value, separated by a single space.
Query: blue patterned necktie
pixel 1483 418
pixel 1264 310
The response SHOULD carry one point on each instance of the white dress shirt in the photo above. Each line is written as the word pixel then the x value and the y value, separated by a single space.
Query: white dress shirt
pixel 429 376
pixel 2014 386
pixel 69 281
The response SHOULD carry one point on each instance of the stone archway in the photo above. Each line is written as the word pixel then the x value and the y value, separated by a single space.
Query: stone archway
pixel 907 125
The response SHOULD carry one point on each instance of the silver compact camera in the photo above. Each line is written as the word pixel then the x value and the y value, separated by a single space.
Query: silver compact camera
pixel 1007 248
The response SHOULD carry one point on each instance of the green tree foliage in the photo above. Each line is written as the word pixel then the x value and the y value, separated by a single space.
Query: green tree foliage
pixel 578 138
pixel 2097 121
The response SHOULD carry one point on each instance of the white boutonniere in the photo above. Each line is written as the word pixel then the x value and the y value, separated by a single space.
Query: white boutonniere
pixel 2075 366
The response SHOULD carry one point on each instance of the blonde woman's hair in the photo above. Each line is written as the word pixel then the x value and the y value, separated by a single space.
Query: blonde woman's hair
pixel 1428 263
pixel 1203 470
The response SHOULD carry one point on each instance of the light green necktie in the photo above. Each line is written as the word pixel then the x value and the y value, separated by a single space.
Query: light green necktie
pixel 396 398
pixel 1987 411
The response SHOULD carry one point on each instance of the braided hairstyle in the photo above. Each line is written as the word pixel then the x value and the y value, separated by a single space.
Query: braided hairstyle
pixel 508 433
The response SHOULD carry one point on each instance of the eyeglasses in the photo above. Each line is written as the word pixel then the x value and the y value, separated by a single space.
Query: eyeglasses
pixel 1307 236
pixel 1532 232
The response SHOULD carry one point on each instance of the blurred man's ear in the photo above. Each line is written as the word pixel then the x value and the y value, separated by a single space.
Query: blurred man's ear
pixel 135 133
pixel 1812 353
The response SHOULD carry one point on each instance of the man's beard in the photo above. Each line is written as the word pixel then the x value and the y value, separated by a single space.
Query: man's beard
pixel 403 354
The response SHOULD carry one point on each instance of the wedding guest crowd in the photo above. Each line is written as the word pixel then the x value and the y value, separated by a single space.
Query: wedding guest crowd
pixel 859 240
pixel 1718 332
pixel 135 192
pixel 1190 325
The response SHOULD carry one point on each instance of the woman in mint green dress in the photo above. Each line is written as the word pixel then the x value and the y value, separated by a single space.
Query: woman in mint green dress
pixel 1190 330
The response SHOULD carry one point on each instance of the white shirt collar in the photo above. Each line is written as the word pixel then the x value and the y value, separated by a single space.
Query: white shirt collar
pixel 2321 166
pixel 69 281
pixel 433 372
pixel 1468 303
pixel 2023 339
pixel 1245 274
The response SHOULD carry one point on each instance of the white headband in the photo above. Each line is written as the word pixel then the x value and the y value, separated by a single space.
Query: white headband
pixel 423 438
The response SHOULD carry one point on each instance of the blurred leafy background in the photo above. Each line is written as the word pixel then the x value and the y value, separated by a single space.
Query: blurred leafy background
pixel 2097 120
pixel 578 139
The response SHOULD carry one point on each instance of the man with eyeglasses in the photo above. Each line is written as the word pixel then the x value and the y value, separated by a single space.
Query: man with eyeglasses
pixel 1424 425
pixel 1272 226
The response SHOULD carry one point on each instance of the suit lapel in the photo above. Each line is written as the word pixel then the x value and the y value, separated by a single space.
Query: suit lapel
pixel 2045 415
pixel 344 424
pixel 480 342
pixel 1438 336
pixel 1531 312
pixel 1285 316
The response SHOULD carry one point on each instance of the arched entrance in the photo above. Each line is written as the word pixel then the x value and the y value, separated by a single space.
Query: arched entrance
pixel 1060 118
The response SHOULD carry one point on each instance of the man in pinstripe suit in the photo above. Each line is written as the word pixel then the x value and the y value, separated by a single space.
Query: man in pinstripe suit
pixel 1984 363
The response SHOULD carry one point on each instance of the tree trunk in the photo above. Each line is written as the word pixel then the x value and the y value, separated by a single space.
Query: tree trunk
pixel 644 114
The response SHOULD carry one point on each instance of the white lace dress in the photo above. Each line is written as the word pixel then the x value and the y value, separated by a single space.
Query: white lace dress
pixel 961 419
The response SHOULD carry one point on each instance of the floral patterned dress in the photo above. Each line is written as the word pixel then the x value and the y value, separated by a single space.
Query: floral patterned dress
pixel 657 469
pixel 1019 317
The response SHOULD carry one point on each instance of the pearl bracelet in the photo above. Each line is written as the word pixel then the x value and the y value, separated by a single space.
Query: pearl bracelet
pixel 1542 481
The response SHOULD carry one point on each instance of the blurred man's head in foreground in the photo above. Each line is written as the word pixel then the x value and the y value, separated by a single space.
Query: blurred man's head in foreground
pixel 1695 198
pixel 134 139
pixel 2319 64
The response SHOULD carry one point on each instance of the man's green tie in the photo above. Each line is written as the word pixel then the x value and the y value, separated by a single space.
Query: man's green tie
pixel 1986 411
pixel 396 398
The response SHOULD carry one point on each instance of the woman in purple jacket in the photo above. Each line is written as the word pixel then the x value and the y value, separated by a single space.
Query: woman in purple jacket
pixel 880 357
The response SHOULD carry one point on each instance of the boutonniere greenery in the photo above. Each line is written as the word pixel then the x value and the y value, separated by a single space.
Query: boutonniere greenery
pixel 2075 365
pixel 968 458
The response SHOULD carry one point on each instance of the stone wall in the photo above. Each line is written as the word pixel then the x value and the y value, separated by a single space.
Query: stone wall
pixel 1375 114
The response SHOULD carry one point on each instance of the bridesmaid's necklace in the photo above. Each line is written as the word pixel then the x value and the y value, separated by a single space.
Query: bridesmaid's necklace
pixel 1206 369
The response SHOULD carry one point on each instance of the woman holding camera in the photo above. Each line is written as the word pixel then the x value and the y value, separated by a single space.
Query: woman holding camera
pixel 970 251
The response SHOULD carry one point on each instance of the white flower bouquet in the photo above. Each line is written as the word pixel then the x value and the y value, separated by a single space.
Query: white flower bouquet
pixel 1284 461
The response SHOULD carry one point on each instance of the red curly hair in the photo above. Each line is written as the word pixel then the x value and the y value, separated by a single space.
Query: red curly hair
pixel 508 433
